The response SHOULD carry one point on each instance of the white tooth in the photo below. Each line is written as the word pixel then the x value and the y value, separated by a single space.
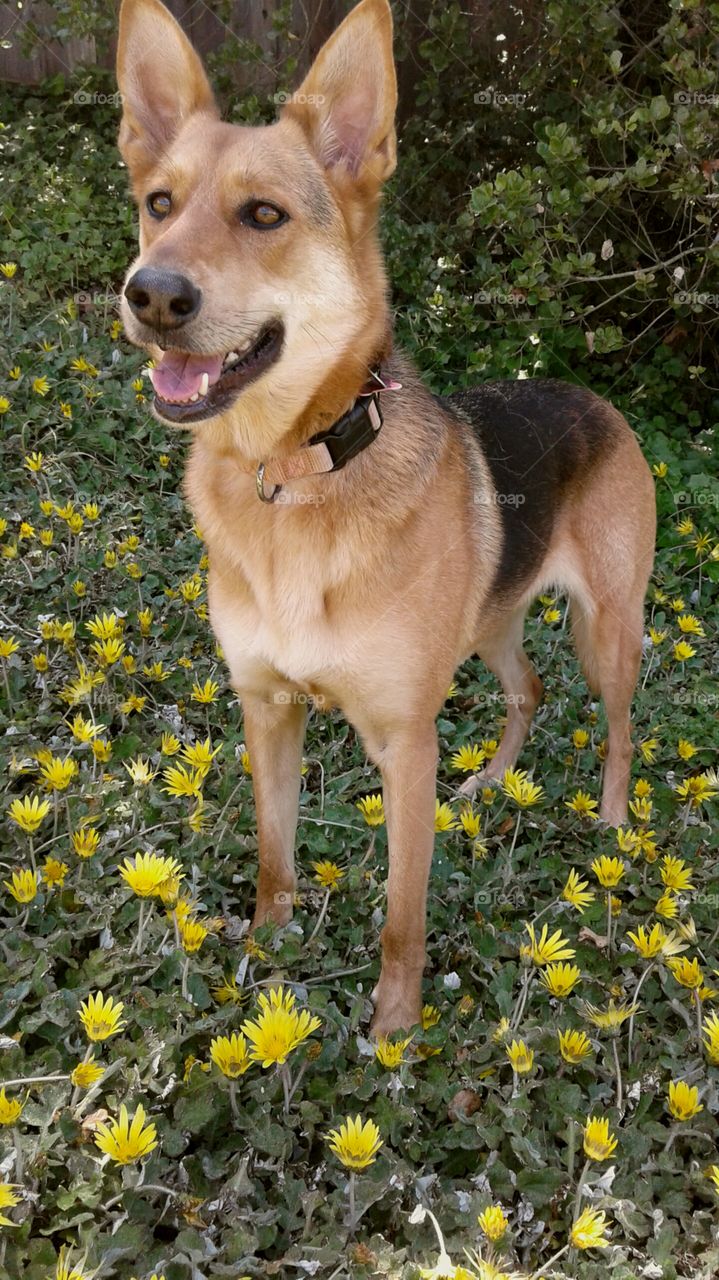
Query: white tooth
pixel 231 355
pixel 204 384
pixel 195 397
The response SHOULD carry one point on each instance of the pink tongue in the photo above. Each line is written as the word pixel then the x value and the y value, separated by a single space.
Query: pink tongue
pixel 178 375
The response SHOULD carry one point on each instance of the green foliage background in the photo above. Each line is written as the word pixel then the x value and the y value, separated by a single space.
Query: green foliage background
pixel 514 231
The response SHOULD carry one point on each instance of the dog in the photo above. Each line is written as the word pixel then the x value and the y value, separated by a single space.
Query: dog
pixel 364 536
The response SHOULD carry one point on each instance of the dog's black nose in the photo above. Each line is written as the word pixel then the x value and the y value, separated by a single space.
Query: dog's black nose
pixel 162 299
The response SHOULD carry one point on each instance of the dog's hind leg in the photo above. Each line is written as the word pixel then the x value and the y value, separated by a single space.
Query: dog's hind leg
pixel 502 651
pixel 275 733
pixel 609 642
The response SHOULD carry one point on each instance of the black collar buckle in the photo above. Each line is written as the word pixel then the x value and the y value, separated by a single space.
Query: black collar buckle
pixel 353 432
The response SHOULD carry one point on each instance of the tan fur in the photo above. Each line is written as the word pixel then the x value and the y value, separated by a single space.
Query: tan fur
pixel 367 588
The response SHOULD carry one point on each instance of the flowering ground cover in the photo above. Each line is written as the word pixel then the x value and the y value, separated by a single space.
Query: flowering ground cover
pixel 183 1101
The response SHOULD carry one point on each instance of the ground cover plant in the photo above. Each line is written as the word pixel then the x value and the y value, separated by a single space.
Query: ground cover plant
pixel 178 1099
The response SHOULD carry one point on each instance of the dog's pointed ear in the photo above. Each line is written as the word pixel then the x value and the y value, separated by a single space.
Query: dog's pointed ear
pixel 161 79
pixel 348 99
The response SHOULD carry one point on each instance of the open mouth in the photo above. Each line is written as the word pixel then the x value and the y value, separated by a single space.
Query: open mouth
pixel 190 387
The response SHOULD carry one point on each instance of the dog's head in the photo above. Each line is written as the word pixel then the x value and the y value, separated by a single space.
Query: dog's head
pixel 259 277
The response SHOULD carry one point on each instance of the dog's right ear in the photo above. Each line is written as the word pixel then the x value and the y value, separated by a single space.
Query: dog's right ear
pixel 161 79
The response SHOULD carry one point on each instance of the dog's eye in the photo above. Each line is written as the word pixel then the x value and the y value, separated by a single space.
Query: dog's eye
pixel 159 203
pixel 261 215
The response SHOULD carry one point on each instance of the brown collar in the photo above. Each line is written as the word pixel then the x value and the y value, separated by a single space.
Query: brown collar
pixel 328 450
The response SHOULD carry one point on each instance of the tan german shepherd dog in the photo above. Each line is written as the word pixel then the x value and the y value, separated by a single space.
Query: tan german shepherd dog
pixel 364 536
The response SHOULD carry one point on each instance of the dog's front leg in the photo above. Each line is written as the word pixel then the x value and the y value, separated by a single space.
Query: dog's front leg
pixel 275 732
pixel 409 769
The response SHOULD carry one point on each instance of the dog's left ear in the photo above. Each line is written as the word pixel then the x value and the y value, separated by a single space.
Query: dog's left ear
pixel 346 104
pixel 161 79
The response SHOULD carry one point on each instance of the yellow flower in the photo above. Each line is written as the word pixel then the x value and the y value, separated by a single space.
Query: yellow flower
pixel 493 1222
pixel 656 942
pixel 201 755
pixel 192 935
pixel 683 1100
pixel 229 1053
pixel 714 1175
pixel 372 810
pixel 520 1057
pixel 574 1046
pixel 611 1018
pixel 676 875
pixel 683 651
pixel 710 1027
pixel 656 636
pixel 101 1016
pixel 206 693
pixel 660 470
pixel 65 1268
pixel 551 615
pixel 147 873
pixel 125 1140
pixel 58 774
pixel 109 651
pixel 54 871
pixel 23 886
pixel 84 730
pixel 687 972
pixel 667 906
pixel 560 979
pixel 468 758
pixel 389 1054
pixel 589 1231
pixel 546 949
pixel 430 1017
pixel 278 1027
pixel 40 386
pixel 690 625
pixel 580 739
pixel 471 822
pixel 85 842
pixel 169 744
pixel 328 874
pixel 696 790
pixel 599 1143
pixel 444 819
pixel 575 891
pixel 356 1142
pixel 685 749
pixel 583 805
pixel 608 871
pixel 8 269
pixel 29 813
pixel 518 787
pixel 228 992
pixel 10 1109
pixel 140 771
pixel 183 782
pixel 8 1200
pixel 86 1074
